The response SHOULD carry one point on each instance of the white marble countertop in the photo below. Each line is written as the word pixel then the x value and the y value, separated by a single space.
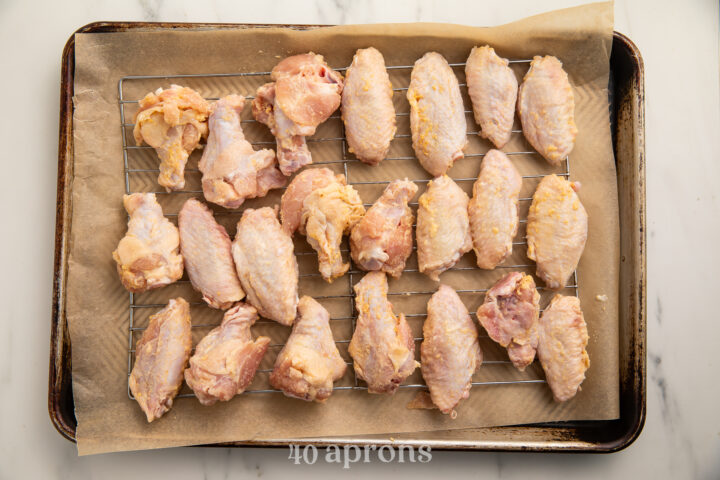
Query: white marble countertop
pixel 679 43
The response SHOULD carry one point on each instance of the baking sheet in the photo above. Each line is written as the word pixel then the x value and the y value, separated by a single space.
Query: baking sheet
pixel 97 304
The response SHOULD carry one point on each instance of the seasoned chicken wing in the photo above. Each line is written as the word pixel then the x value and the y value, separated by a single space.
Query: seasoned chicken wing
pixel 493 209
pixel 563 337
pixel 437 114
pixel 226 359
pixel 309 362
pixel 304 93
pixel 493 91
pixel 205 245
pixel 232 170
pixel 266 265
pixel 556 230
pixel 509 314
pixel 443 226
pixel 382 345
pixel 547 109
pixel 291 203
pixel 160 358
pixel 382 239
pixel 450 352
pixel 367 107
pixel 172 121
pixel 148 255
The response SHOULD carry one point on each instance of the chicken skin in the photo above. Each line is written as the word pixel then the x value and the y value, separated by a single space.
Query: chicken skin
pixel 367 107
pixel 382 345
pixel 382 239
pixel 172 121
pixel 450 352
pixel 309 362
pixel 547 109
pixel 323 208
pixel 232 170
pixel 493 209
pixel 266 265
pixel 493 91
pixel 160 358
pixel 328 214
pixel 509 314
pixel 291 203
pixel 556 230
pixel 205 245
pixel 226 359
pixel 563 337
pixel 443 227
pixel 148 255
pixel 437 114
pixel 305 91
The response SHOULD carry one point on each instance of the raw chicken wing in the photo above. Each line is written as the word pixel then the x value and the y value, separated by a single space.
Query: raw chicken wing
pixel 303 94
pixel 160 358
pixel 450 352
pixel 309 362
pixel 291 203
pixel 547 109
pixel 382 346
pixel 493 90
pixel 443 227
pixel 205 245
pixel 437 114
pixel 266 265
pixel 493 209
pixel 232 170
pixel 556 230
pixel 509 314
pixel 367 107
pixel 382 240
pixel 563 337
pixel 226 359
pixel 172 121
pixel 148 255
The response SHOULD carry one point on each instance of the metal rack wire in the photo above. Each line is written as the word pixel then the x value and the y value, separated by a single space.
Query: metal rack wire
pixel 123 102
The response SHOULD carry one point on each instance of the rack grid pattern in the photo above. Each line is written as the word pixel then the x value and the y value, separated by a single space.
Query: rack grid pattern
pixel 134 305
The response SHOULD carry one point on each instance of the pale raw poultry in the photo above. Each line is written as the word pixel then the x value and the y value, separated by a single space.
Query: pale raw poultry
pixel 232 170
pixel 172 121
pixel 382 239
pixel 148 256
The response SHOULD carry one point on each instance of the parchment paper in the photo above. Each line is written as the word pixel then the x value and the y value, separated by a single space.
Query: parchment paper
pixel 97 304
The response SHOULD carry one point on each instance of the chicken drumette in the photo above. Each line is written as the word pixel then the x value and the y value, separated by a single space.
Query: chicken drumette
pixel 226 359
pixel 382 239
pixel 160 358
pixel 148 255
pixel 232 170
pixel 450 352
pixel 328 209
pixel 509 314
pixel 305 91
pixel 172 121
pixel 309 362
pixel 266 265
pixel 382 346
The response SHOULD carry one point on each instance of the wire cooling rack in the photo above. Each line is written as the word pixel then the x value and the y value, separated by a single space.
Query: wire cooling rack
pixel 128 104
